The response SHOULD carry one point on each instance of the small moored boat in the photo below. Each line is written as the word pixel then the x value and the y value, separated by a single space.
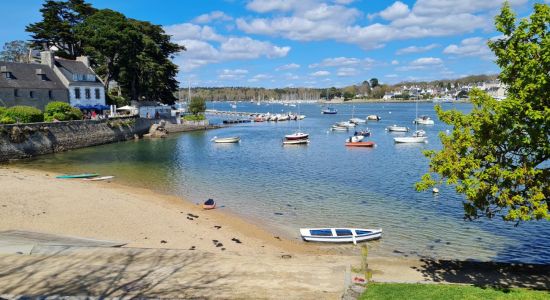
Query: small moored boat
pixel 397 128
pixel 340 235
pixel 339 128
pixel 209 204
pixel 233 139
pixel 297 136
pixel 296 142
pixel 360 144
pixel 419 136
pixel 424 120
pixel 374 118
pixel 329 111
pixel 363 132
pixel 85 175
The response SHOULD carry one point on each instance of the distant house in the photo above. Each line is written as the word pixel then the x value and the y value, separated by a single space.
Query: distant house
pixel 53 79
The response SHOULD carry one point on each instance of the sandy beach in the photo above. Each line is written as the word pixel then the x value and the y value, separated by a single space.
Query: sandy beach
pixel 162 231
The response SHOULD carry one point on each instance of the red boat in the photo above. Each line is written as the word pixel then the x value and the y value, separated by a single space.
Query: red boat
pixel 209 204
pixel 360 144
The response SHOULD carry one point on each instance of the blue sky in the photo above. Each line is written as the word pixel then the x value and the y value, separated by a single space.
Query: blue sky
pixel 311 43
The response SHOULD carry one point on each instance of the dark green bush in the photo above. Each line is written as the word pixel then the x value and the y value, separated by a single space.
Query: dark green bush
pixel 194 117
pixel 24 114
pixel 2 110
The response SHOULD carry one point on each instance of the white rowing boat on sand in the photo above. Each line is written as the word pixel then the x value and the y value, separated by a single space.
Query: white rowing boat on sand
pixel 340 235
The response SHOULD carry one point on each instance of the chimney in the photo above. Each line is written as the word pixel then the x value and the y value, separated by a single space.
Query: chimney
pixel 46 58
pixel 84 59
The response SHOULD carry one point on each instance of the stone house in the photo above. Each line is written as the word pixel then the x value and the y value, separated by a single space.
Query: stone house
pixel 53 79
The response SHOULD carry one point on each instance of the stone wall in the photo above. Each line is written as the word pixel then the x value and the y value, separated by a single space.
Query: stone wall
pixel 27 140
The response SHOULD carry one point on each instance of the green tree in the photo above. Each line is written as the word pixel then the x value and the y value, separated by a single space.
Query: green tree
pixel 374 82
pixel 498 154
pixel 15 51
pixel 57 28
pixel 197 105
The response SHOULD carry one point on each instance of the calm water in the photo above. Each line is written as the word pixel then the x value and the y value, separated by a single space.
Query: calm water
pixel 322 184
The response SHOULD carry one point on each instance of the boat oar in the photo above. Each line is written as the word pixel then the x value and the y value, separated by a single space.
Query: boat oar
pixel 354 239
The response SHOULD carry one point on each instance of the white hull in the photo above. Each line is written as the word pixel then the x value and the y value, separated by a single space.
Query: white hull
pixel 99 178
pixel 424 121
pixel 227 140
pixel 351 235
pixel 339 128
pixel 358 121
pixel 346 124
pixel 356 138
pixel 398 128
pixel 374 118
pixel 411 139
pixel 296 142
pixel 297 136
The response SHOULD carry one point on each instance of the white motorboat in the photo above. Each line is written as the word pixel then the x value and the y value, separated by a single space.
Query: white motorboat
pixel 419 136
pixel 223 140
pixel 283 118
pixel 346 124
pixel 340 235
pixel 339 128
pixel 296 136
pixel 355 139
pixel 374 118
pixel 424 120
pixel 357 121
pixel 296 142
pixel 397 128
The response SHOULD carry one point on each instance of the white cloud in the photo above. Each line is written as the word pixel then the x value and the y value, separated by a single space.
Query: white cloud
pixel 394 62
pixel 349 1
pixel 475 46
pixel 228 74
pixel 346 72
pixel 259 77
pixel 425 61
pixel 308 20
pixel 287 67
pixel 320 73
pixel 213 16
pixel 343 61
pixel 200 50
pixel 397 10
pixel 416 49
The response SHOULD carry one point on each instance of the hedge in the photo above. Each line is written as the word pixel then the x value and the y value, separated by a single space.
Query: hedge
pixel 24 114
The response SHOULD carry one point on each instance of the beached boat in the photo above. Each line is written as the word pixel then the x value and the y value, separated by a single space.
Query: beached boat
pixel 329 111
pixel 297 136
pixel 209 204
pixel 99 178
pixel 340 235
pixel 71 176
pixel 424 120
pixel 296 142
pixel 233 139
pixel 396 128
pixel 373 118
pixel 360 144
pixel 418 136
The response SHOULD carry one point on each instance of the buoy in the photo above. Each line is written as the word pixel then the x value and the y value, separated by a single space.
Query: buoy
pixel 435 190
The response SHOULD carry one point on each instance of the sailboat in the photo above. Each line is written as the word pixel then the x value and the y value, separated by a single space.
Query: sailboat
pixel 419 136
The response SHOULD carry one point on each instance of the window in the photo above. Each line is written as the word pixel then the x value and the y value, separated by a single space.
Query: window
pixel 97 95
pixel 7 75
pixel 77 93
pixel 31 94
pixel 87 93
pixel 50 94
pixel 16 93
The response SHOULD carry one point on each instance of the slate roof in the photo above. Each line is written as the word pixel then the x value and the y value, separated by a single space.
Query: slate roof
pixel 24 76
pixel 70 67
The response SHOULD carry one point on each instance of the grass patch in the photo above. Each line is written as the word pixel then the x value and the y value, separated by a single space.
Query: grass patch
pixel 446 291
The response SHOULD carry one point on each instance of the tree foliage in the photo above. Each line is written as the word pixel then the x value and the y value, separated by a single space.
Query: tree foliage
pixel 374 82
pixel 15 51
pixel 135 54
pixel 197 105
pixel 498 155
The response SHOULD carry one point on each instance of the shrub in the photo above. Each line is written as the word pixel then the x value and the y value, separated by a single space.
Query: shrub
pixel 61 111
pixel 6 120
pixel 2 110
pixel 24 114
pixel 197 105
pixel 194 117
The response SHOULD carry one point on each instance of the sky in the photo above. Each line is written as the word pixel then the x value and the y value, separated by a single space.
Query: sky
pixel 310 43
